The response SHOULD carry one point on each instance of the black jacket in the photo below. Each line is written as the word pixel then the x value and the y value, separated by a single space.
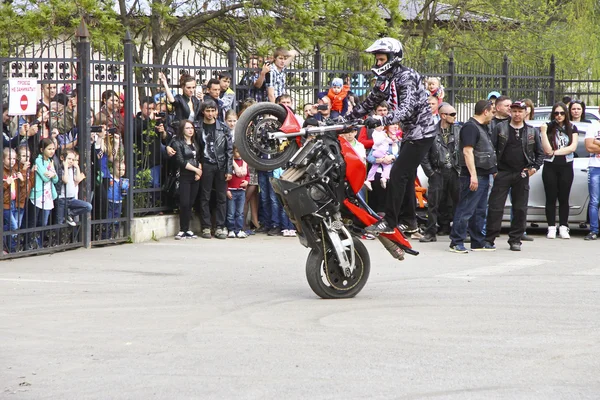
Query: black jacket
pixel 184 154
pixel 440 154
pixel 223 145
pixel 403 89
pixel 530 141
pixel 182 110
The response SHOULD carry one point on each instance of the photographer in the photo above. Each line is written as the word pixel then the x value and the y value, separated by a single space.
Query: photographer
pixel 150 138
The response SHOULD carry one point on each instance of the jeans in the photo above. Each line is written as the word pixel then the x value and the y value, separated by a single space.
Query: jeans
pixel 213 177
pixel 443 188
pixel 269 201
pixel 235 210
pixel 11 224
pixel 114 212
pixel 518 186
pixel 72 207
pixel 155 174
pixel 286 224
pixel 470 212
pixel 594 189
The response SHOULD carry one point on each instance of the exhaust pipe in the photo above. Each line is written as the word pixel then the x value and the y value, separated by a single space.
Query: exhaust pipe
pixel 395 250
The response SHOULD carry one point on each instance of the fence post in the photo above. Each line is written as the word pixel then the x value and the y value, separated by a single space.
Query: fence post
pixel 505 75
pixel 83 123
pixel 129 155
pixel 317 74
pixel 233 67
pixel 552 91
pixel 451 71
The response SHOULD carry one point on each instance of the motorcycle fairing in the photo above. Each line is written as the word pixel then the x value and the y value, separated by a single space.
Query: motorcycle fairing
pixel 356 170
pixel 290 124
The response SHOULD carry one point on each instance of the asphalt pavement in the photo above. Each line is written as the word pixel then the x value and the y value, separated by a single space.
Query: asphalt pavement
pixel 236 319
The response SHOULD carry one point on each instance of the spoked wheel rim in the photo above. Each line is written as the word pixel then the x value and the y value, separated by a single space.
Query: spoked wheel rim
pixel 333 276
pixel 257 135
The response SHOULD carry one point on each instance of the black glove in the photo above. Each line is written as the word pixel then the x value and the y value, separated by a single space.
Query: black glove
pixel 371 122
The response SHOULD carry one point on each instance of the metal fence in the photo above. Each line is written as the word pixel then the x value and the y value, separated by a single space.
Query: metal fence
pixel 108 92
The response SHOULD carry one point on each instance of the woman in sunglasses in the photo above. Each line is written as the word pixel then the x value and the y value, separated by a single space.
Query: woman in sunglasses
pixel 577 111
pixel 559 141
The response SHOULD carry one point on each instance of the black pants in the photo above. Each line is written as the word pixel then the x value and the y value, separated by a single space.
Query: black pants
pixel 442 195
pixel 188 190
pixel 557 179
pixel 400 202
pixel 518 186
pixel 213 177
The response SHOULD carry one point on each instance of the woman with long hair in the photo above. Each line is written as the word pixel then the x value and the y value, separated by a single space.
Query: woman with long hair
pixel 188 157
pixel 559 141
pixel 185 105
pixel 577 111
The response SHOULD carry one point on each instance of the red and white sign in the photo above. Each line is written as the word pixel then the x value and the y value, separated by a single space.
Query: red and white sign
pixel 23 95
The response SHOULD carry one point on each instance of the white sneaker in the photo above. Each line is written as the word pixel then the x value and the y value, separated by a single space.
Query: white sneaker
pixel 551 232
pixel 563 231
pixel 368 185
pixel 242 235
pixel 231 234
pixel 292 233
pixel 285 233
pixel 383 182
pixel 180 235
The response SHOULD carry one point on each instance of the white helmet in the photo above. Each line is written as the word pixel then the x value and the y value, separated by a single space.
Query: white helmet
pixel 389 46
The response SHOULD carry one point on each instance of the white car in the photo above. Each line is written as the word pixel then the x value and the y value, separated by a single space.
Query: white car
pixel 543 113
pixel 579 199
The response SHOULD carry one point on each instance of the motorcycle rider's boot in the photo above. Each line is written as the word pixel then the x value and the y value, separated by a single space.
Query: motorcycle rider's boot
pixel 379 227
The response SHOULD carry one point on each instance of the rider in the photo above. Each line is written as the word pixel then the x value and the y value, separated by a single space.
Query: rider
pixel 403 89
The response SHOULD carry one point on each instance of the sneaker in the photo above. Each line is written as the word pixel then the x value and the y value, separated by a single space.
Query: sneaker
pixel 379 227
pixel 292 233
pixel 551 232
pixel 515 246
pixel 459 248
pixel 242 235
pixel 591 236
pixel 368 185
pixel 180 235
pixel 487 246
pixel 285 233
pixel 249 232
pixel 206 233
pixel 274 232
pixel 231 234
pixel 221 233
pixel 262 229
pixel 190 235
pixel 368 236
pixel 408 228
pixel 383 182
pixel 428 238
pixel 70 220
pixel 526 238
pixel 563 232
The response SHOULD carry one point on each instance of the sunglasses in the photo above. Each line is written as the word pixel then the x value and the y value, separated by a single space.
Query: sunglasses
pixel 559 113
pixel 450 114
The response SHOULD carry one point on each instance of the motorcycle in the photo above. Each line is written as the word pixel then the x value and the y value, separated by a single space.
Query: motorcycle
pixel 319 192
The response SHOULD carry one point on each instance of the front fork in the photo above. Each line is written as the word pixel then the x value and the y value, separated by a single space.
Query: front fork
pixel 342 244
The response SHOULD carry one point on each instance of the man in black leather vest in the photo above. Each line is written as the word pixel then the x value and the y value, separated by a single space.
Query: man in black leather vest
pixel 478 161
pixel 520 155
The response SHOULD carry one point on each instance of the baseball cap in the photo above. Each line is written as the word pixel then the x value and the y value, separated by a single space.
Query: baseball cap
pixel 337 82
pixel 493 94
pixel 519 104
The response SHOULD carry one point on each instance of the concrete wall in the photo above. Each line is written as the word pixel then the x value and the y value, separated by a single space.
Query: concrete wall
pixel 157 227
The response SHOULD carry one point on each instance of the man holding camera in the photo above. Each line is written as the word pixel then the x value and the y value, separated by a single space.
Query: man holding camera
pixel 150 134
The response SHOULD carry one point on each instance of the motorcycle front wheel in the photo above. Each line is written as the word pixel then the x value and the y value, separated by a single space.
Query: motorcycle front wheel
pixel 327 279
pixel 252 137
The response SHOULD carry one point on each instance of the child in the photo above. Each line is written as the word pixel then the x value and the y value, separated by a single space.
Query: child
pixel 380 149
pixel 68 201
pixel 117 190
pixel 26 182
pixel 9 182
pixel 236 196
pixel 338 93
pixel 44 192
pixel 287 227
pixel 435 88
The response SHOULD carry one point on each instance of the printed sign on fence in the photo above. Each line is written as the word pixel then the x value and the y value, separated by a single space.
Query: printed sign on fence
pixel 23 95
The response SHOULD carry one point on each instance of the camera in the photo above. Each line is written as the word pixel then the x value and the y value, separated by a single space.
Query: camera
pixel 95 128
pixel 35 122
pixel 161 115
pixel 322 107
pixel 111 130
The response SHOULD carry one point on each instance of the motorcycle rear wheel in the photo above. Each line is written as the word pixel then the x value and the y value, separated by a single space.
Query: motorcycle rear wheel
pixel 335 285
pixel 251 137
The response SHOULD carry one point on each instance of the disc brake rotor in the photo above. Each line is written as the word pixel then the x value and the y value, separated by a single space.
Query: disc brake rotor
pixel 259 136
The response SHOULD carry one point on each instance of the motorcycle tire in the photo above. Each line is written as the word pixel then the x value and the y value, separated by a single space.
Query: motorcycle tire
pixel 251 137
pixel 335 285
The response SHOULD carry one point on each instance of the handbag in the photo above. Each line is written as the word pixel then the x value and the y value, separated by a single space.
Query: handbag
pixel 171 185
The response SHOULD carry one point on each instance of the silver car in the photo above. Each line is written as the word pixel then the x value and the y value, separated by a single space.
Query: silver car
pixel 579 198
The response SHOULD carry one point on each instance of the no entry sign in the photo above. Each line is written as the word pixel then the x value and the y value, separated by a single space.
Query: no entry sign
pixel 22 96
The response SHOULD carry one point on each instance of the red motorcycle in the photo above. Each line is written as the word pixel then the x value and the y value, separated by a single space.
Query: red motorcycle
pixel 319 191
